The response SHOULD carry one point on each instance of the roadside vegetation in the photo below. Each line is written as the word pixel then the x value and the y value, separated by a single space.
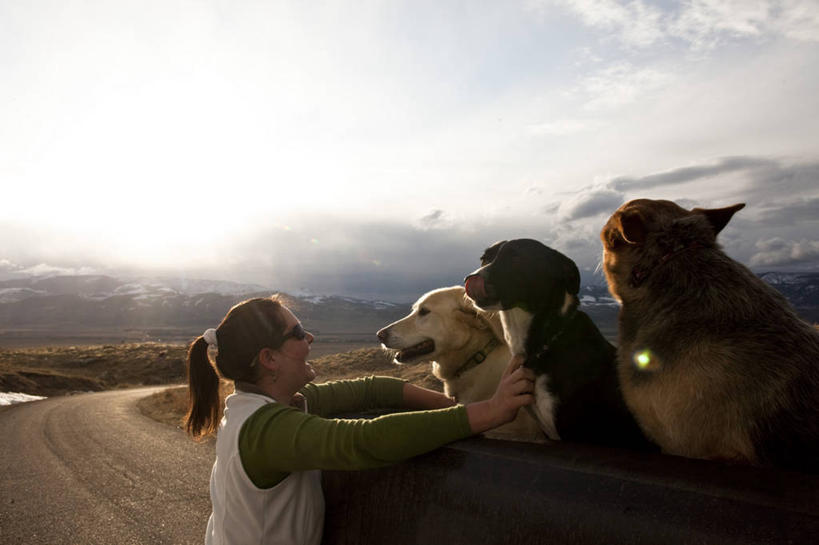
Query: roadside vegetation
pixel 67 370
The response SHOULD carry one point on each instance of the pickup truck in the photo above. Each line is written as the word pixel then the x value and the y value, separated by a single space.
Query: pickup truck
pixel 483 491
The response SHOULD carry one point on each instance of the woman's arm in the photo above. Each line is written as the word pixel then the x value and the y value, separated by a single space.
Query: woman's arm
pixel 354 395
pixel 278 439
pixel 418 398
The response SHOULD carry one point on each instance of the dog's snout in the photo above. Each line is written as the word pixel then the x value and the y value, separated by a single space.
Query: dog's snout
pixel 383 335
pixel 475 287
pixel 476 272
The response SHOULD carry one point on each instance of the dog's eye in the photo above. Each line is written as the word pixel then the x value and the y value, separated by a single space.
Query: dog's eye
pixel 423 311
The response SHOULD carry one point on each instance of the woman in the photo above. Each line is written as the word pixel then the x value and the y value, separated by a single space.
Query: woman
pixel 274 438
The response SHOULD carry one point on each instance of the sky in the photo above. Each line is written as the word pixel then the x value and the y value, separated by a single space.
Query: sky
pixel 375 148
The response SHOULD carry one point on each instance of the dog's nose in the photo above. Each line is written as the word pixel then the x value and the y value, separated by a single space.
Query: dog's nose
pixel 473 273
pixel 383 334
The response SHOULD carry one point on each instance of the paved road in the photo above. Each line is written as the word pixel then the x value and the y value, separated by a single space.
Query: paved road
pixel 92 469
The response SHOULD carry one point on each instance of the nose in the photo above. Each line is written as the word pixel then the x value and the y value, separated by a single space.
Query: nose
pixel 309 337
pixel 383 335
pixel 476 272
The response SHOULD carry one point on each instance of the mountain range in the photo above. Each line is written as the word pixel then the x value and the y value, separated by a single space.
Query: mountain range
pixel 172 309
pixel 169 309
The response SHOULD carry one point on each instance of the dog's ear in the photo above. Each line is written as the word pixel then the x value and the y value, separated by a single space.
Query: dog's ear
pixel 490 253
pixel 470 318
pixel 719 217
pixel 469 314
pixel 632 226
pixel 572 275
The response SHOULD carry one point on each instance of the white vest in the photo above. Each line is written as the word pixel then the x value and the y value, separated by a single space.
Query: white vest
pixel 290 513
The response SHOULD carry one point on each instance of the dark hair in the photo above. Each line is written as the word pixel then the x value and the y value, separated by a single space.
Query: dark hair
pixel 247 328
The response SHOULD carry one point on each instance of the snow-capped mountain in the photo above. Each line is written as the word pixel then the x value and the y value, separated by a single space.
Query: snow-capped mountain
pixel 102 287
pixel 801 289
pixel 594 295
pixel 179 308
pixel 164 307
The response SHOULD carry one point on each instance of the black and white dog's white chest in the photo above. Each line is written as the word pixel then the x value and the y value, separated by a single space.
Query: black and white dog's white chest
pixel 516 328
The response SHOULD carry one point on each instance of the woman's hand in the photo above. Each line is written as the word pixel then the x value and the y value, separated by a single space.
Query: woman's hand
pixel 515 390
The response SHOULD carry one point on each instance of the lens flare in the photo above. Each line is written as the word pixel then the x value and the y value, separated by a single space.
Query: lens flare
pixel 644 360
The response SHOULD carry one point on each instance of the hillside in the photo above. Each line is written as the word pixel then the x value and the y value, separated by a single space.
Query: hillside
pixel 96 309
pixel 53 371
pixel 106 310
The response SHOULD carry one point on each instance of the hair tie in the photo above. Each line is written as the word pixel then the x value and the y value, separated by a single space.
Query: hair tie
pixel 210 337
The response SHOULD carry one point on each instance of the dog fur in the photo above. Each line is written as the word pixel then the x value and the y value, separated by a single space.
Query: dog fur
pixel 577 395
pixel 713 362
pixel 446 328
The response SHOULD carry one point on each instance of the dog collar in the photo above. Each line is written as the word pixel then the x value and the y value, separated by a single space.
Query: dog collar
pixel 478 357
pixel 554 334
pixel 638 275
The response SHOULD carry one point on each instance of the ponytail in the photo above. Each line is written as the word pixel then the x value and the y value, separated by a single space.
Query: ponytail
pixel 248 327
pixel 203 392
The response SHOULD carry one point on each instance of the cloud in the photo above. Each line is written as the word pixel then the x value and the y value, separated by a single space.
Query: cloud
pixel 705 23
pixel 9 266
pixel 44 269
pixel 800 21
pixel 767 185
pixel 791 213
pixel 621 84
pixel 590 202
pixel 9 269
pixel 700 24
pixel 435 219
pixel 564 127
pixel 777 176
pixel 635 23
pixel 381 259
pixel 779 195
pixel 708 23
pixel 689 174
pixel 777 252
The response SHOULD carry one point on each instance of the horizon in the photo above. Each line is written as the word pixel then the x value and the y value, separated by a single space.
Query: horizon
pixel 197 286
pixel 380 148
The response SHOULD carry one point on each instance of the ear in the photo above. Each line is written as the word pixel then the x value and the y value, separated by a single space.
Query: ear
pixel 468 314
pixel 490 253
pixel 632 226
pixel 572 276
pixel 267 359
pixel 719 217
pixel 470 318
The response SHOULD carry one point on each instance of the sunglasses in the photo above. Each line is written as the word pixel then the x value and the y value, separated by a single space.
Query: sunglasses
pixel 297 333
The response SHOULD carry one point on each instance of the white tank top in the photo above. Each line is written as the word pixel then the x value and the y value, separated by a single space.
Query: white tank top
pixel 291 513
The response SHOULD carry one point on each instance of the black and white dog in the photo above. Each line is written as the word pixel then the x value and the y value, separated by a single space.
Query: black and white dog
pixel 577 394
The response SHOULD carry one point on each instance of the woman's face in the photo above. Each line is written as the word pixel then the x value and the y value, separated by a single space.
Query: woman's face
pixel 293 353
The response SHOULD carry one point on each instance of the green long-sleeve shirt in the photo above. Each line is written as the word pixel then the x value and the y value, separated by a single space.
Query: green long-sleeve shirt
pixel 278 439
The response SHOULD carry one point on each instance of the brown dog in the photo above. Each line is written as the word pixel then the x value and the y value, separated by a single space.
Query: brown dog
pixel 713 362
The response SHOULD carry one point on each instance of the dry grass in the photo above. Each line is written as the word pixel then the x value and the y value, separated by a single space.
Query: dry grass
pixel 170 406
pixel 60 370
